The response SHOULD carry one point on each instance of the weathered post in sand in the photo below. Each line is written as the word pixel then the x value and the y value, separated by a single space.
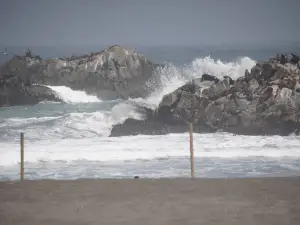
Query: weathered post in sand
pixel 191 150
pixel 191 134
pixel 22 156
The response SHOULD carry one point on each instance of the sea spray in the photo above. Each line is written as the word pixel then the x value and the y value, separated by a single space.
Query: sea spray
pixel 170 77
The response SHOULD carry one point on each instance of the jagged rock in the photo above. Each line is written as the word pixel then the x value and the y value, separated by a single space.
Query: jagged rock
pixel 154 127
pixel 112 73
pixel 266 101
pixel 15 86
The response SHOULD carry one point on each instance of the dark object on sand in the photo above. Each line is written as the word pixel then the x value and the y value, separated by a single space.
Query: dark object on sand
pixel 136 177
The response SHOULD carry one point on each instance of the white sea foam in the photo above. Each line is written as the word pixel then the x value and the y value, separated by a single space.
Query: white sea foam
pixel 219 145
pixel 71 96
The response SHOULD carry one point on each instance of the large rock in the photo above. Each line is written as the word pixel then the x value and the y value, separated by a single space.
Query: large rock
pixel 16 88
pixel 266 101
pixel 26 95
pixel 112 73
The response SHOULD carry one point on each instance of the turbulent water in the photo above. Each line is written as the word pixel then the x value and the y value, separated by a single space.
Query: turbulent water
pixel 70 140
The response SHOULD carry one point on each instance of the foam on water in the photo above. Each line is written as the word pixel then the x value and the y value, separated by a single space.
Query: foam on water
pixel 221 145
pixel 71 96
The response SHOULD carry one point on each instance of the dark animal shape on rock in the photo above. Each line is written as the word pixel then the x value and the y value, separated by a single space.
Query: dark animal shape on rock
pixel 283 59
pixel 294 59
pixel 207 77
pixel 231 81
pixel 247 73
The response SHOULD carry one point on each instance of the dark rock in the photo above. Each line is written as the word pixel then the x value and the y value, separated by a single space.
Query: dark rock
pixel 207 77
pixel 266 101
pixel 154 127
pixel 15 85
pixel 27 95
pixel 111 74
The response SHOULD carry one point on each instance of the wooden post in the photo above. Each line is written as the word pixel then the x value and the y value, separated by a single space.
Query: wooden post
pixel 191 150
pixel 191 134
pixel 22 156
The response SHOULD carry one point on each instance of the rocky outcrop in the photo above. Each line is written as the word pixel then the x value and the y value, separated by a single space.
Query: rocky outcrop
pixel 265 101
pixel 26 95
pixel 16 88
pixel 112 73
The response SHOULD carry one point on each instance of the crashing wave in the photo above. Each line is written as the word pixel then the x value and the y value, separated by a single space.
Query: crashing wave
pixel 97 120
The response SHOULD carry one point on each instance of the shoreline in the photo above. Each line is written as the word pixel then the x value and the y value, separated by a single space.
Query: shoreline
pixel 267 200
pixel 186 178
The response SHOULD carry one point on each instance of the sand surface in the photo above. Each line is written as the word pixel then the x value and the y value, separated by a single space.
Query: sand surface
pixel 164 201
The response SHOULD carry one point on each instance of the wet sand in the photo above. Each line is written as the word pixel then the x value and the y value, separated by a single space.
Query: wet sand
pixel 144 202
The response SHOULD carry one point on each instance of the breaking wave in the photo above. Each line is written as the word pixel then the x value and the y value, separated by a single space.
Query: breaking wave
pixel 87 116
pixel 71 96
pixel 170 77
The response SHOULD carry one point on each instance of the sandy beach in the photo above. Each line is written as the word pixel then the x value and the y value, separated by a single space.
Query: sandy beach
pixel 145 201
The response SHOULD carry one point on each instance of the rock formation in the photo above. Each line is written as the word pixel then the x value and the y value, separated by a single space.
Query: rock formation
pixel 266 101
pixel 15 86
pixel 112 73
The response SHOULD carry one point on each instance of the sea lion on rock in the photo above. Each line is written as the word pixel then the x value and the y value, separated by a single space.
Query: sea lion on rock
pixel 277 57
pixel 231 81
pixel 295 59
pixel 207 77
pixel 283 59
pixel 247 73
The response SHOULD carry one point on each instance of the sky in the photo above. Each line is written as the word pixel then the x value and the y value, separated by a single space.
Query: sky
pixel 147 22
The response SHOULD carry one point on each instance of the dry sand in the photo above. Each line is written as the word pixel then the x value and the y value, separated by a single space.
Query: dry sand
pixel 144 201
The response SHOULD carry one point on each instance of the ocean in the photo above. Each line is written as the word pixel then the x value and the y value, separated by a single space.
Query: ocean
pixel 70 140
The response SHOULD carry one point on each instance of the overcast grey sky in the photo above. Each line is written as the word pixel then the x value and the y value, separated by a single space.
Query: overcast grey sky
pixel 147 22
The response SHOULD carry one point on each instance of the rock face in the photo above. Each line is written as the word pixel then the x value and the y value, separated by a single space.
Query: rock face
pixel 112 73
pixel 16 89
pixel 26 95
pixel 266 101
